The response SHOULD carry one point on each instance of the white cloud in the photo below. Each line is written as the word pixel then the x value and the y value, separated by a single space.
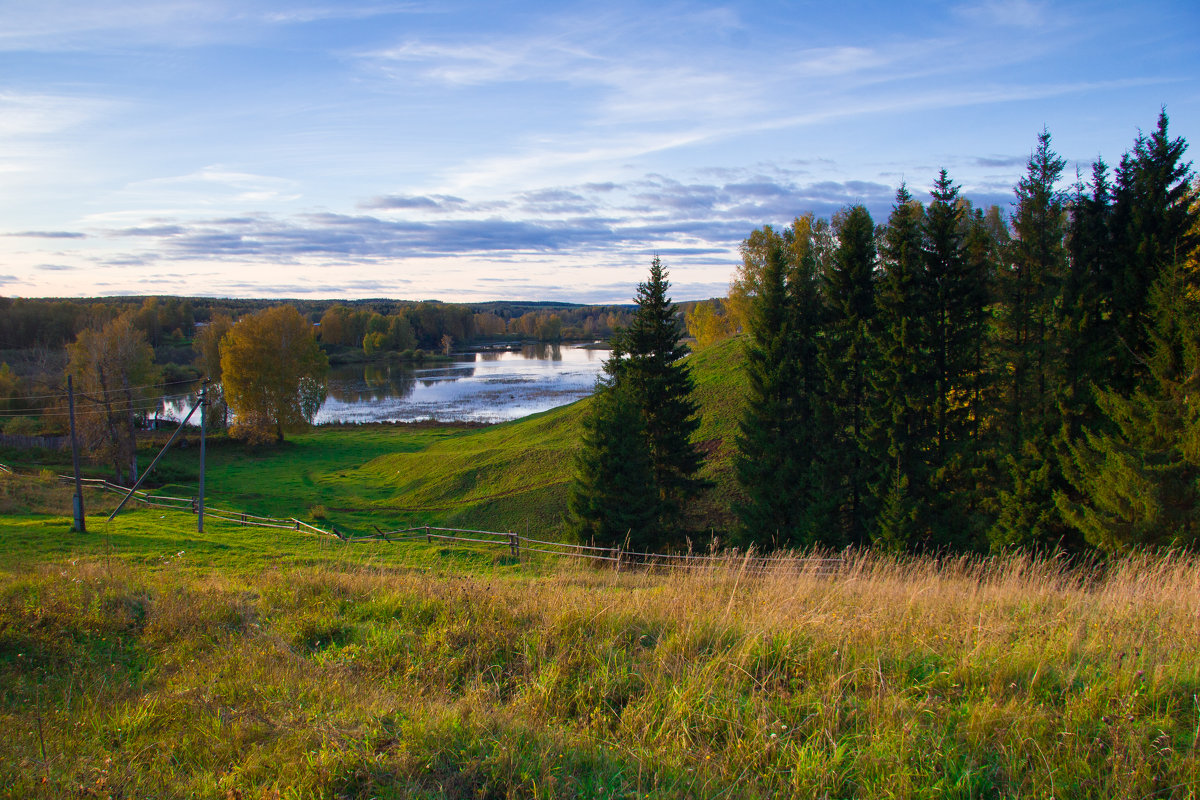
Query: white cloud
pixel 73 25
pixel 210 186
pixel 26 115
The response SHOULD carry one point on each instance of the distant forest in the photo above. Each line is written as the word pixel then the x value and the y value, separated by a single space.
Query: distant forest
pixel 36 334
pixel 54 323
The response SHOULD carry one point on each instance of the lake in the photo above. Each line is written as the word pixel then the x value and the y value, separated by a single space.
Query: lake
pixel 482 386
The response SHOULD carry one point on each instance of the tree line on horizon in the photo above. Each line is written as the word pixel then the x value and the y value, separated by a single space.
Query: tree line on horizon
pixel 49 323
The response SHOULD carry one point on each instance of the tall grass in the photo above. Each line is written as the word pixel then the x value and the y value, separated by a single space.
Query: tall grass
pixel 896 677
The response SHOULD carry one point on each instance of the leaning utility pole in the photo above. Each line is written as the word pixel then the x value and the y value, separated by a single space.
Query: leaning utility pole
pixel 150 468
pixel 80 526
pixel 203 426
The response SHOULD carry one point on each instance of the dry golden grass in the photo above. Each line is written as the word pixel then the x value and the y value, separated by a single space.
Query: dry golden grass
pixel 892 678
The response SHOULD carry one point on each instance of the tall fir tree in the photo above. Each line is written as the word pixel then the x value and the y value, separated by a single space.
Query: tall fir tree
pixel 1029 345
pixel 1089 340
pixel 898 419
pixel 1153 228
pixel 847 356
pixel 647 363
pixel 955 323
pixel 782 446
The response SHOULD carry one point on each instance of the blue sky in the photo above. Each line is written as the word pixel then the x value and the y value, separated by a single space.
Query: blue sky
pixel 472 151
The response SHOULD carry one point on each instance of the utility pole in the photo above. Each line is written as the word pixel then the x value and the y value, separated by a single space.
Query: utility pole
pixel 203 427
pixel 153 463
pixel 80 526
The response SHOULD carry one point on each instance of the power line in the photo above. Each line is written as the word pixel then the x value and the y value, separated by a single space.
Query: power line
pixel 63 395
pixel 140 404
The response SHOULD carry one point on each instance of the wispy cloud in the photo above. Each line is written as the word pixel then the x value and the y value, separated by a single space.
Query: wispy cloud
pixel 24 114
pixel 49 234
pixel 440 202
pixel 73 25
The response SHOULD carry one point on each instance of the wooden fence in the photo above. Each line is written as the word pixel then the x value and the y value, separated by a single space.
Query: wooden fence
pixel 518 546
pixel 20 442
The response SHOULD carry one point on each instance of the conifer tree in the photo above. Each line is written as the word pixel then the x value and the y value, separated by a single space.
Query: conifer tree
pixel 955 324
pixel 766 463
pixel 1029 346
pixel 847 358
pixel 1153 227
pixel 1089 340
pixel 1138 482
pixel 898 422
pixel 782 443
pixel 647 363
pixel 613 501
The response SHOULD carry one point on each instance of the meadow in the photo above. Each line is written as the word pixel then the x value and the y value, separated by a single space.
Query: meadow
pixel 145 660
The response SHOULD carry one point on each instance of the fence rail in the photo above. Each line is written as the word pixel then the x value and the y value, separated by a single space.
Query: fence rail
pixel 22 442
pixel 517 545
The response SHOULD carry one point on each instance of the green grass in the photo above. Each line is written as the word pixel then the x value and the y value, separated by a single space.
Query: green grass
pixel 145 660
pixel 508 477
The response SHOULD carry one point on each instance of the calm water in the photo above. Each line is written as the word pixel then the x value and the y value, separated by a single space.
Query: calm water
pixel 477 387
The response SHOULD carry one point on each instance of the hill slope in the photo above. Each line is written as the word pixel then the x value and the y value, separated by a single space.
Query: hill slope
pixel 515 476
pixel 512 476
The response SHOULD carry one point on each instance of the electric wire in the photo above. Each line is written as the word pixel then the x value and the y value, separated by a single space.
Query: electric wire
pixel 63 395
pixel 83 406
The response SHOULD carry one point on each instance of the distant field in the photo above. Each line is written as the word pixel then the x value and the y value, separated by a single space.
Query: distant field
pixel 145 660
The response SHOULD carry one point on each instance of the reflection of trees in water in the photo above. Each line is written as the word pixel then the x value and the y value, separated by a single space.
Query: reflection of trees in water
pixel 370 383
pixel 542 351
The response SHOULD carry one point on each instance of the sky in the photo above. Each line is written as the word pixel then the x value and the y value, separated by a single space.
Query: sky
pixel 536 151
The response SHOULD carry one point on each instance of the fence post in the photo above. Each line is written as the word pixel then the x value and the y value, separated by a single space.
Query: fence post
pixel 513 545
pixel 428 538
pixel 618 559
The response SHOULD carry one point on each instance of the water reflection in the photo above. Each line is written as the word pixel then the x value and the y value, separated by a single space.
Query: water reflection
pixel 491 385
pixel 487 386
pixel 370 383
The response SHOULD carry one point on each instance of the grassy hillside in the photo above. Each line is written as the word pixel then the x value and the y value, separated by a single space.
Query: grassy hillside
pixel 512 476
pixel 144 660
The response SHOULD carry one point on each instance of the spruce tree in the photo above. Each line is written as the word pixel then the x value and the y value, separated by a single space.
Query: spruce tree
pixel 1089 340
pixel 766 463
pixel 955 324
pixel 647 363
pixel 1029 344
pixel 782 442
pixel 613 501
pixel 1153 227
pixel 1137 480
pixel 847 357
pixel 898 419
